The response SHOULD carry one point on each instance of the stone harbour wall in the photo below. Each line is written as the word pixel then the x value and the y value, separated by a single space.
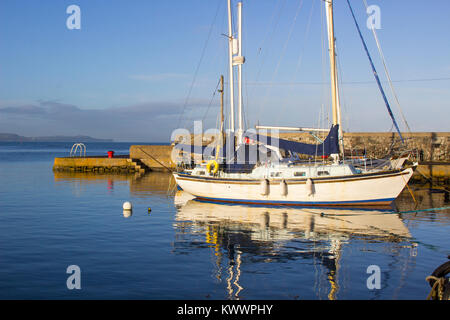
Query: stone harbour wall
pixel 431 146
pixel 156 157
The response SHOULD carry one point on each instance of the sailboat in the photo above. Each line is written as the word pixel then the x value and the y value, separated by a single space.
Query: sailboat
pixel 253 168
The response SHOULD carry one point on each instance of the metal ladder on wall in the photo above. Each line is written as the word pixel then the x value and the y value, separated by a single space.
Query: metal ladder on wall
pixel 78 147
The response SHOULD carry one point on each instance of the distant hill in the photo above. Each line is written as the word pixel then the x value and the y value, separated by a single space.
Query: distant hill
pixel 11 137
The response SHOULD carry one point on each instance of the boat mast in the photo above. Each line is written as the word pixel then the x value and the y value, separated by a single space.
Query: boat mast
pixel 336 109
pixel 239 60
pixel 236 59
pixel 222 116
pixel 230 61
pixel 222 119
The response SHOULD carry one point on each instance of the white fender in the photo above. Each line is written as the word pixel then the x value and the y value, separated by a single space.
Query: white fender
pixel 309 187
pixel 264 187
pixel 284 188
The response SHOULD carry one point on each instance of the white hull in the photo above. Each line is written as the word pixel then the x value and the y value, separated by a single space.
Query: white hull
pixel 380 188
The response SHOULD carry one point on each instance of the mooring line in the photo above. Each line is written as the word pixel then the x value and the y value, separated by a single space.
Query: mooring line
pixel 171 170
pixel 386 212
pixel 424 210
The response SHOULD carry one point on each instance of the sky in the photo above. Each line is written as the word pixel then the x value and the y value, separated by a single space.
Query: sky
pixel 137 70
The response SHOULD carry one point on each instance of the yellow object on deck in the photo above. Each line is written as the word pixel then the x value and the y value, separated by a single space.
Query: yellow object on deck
pixel 212 167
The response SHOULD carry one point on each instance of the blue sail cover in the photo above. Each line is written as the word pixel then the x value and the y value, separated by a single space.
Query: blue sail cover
pixel 329 146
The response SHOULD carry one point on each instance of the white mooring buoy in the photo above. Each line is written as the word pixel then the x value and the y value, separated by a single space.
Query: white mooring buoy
pixel 127 206
pixel 127 209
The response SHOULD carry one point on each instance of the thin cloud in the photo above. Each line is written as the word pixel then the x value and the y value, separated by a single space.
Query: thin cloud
pixel 150 122
pixel 24 110
pixel 159 76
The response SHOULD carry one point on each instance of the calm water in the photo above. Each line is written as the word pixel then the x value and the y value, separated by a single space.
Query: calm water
pixel 191 250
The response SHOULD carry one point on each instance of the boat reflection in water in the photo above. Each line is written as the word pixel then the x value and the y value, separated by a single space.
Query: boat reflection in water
pixel 249 234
